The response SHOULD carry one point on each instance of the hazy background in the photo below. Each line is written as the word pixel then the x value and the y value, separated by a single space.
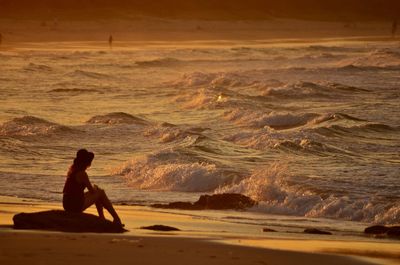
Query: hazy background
pixel 337 10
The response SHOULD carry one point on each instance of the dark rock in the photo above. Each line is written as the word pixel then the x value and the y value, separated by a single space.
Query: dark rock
pixel 225 201
pixel 57 220
pixel 160 228
pixel 376 229
pixel 177 205
pixel 268 230
pixel 214 202
pixel 316 231
pixel 391 231
pixel 394 231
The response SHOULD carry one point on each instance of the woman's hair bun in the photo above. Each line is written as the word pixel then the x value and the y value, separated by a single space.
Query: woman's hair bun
pixel 83 157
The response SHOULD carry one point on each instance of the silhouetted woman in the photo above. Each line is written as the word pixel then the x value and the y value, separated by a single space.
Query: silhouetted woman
pixel 75 199
pixel 110 41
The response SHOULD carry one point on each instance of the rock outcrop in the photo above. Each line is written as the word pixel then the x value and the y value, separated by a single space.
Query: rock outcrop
pixel 316 231
pixel 57 220
pixel 160 228
pixel 391 231
pixel 214 202
pixel 266 229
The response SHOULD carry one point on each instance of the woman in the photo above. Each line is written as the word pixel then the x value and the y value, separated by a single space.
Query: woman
pixel 75 199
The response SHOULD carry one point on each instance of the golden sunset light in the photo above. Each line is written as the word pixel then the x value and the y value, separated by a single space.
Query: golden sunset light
pixel 199 132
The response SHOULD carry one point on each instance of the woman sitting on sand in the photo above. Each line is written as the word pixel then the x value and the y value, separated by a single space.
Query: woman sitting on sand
pixel 75 199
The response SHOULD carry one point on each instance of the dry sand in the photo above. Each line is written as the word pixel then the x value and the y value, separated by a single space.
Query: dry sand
pixel 200 242
pixel 63 248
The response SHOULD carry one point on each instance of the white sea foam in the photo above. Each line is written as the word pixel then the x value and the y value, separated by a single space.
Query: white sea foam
pixel 159 62
pixel 202 98
pixel 166 133
pixel 170 171
pixel 261 119
pixel 266 138
pixel 219 79
pixel 270 187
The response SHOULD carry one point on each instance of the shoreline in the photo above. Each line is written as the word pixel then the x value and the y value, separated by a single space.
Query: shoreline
pixel 196 233
pixel 97 45
pixel 158 29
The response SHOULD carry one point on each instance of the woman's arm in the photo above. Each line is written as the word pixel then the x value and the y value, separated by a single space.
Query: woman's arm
pixel 84 178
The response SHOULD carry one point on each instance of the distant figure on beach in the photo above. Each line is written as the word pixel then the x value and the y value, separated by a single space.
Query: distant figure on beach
pixel 394 28
pixel 110 40
pixel 75 199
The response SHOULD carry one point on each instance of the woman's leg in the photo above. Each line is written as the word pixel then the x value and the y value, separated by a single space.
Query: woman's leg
pixel 101 200
pixel 99 205
pixel 93 198
pixel 100 211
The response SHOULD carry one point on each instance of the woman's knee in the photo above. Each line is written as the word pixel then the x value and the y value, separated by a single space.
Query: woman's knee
pixel 101 193
pixel 98 194
pixel 97 188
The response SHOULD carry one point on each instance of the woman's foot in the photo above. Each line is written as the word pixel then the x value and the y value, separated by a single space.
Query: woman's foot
pixel 118 222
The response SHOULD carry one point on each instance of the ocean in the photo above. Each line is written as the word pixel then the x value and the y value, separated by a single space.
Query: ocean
pixel 309 130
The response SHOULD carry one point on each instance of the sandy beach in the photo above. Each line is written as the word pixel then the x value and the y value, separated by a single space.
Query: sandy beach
pixel 199 241
pixel 56 248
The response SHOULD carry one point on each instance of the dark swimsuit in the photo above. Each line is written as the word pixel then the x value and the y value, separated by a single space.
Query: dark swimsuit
pixel 74 197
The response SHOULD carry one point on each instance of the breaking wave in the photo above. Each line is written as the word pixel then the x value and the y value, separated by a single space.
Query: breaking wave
pixel 222 79
pixel 171 171
pixel 379 59
pixel 88 74
pixel 333 48
pixel 336 117
pixel 310 90
pixel 276 120
pixel 117 118
pixel 254 81
pixel 30 126
pixel 202 98
pixel 167 132
pixel 272 189
pixel 266 138
pixel 271 130
pixel 32 67
pixel 161 62
pixel 283 120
